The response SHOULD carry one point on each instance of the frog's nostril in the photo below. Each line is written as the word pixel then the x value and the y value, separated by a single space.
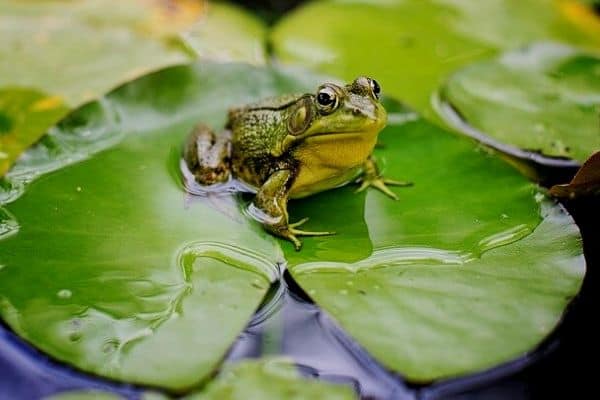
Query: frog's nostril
pixel 355 111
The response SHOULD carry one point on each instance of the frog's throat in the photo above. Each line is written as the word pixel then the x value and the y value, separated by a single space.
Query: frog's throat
pixel 327 161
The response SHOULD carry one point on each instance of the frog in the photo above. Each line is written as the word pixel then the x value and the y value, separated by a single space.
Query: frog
pixel 294 146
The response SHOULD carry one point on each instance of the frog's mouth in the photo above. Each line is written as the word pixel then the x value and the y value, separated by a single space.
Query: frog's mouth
pixel 365 133
pixel 337 134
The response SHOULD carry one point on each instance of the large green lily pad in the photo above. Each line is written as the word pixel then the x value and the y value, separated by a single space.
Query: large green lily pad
pixel 112 267
pixel 471 268
pixel 131 278
pixel 544 99
pixel 411 46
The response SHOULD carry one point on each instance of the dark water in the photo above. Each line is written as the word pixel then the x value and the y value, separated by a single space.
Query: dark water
pixel 288 324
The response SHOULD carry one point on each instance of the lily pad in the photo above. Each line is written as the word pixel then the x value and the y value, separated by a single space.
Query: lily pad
pixel 227 33
pixel 269 379
pixel 543 99
pixel 130 278
pixel 80 50
pixel 411 46
pixel 77 51
pixel 112 267
pixel 470 269
pixel 84 395
pixel 24 113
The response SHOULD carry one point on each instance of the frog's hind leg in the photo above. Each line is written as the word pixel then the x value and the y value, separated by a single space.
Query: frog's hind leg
pixel 208 156
pixel 270 208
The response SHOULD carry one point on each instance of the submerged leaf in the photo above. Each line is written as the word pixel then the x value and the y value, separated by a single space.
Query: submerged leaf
pixel 84 395
pixel 269 379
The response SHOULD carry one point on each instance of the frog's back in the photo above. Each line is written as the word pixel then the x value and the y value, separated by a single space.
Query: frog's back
pixel 270 103
pixel 258 129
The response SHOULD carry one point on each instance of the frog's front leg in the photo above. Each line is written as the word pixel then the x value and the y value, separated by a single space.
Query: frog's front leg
pixel 270 208
pixel 372 177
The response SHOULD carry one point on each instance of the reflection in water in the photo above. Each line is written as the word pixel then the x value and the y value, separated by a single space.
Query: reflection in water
pixel 234 256
pixel 503 238
pixel 290 325
pixel 388 257
pixel 395 256
pixel 217 189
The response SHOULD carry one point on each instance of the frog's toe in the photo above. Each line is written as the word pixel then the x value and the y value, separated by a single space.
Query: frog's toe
pixel 363 185
pixel 294 231
pixel 310 233
pixel 393 182
pixel 380 185
pixel 295 241
pixel 298 223
pixel 289 234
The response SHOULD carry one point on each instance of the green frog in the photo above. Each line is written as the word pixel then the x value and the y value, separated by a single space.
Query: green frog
pixel 294 146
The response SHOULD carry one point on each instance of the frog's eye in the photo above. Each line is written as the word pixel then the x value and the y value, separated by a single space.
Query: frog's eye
pixel 375 88
pixel 327 99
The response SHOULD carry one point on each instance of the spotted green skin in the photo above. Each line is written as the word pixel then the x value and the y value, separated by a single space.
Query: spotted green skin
pixel 293 146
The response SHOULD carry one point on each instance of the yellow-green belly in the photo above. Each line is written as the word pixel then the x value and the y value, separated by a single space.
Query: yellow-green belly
pixel 330 161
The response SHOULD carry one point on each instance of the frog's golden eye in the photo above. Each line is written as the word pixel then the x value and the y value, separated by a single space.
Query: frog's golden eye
pixel 375 88
pixel 327 99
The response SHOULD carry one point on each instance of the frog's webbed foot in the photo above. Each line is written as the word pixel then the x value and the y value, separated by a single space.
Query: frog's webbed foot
pixel 291 232
pixel 271 200
pixel 372 178
pixel 381 183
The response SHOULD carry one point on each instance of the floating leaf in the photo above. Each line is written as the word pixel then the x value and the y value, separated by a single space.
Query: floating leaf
pixel 543 99
pixel 262 379
pixel 411 46
pixel 450 269
pixel 80 50
pixel 132 278
pixel 267 379
pixel 226 33
pixel 457 276
pixel 23 114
